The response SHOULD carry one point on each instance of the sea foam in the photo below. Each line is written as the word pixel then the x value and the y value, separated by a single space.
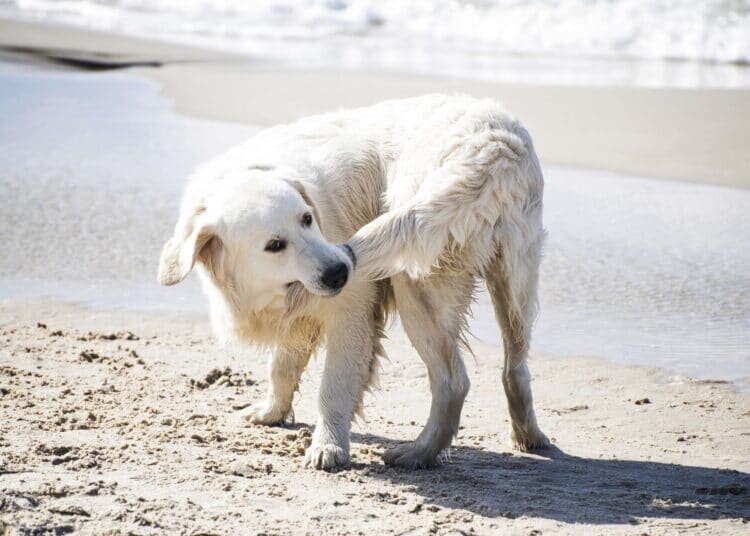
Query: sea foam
pixel 466 38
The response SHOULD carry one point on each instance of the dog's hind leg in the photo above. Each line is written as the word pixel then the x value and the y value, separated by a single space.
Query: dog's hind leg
pixel 432 311
pixel 285 367
pixel 513 295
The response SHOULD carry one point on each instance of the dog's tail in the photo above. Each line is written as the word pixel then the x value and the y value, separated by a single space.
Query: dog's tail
pixel 484 199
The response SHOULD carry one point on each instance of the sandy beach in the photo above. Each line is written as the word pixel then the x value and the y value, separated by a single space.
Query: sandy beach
pixel 601 128
pixel 695 135
pixel 119 413
pixel 117 423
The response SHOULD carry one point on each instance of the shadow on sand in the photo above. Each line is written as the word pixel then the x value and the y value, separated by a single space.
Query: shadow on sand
pixel 558 486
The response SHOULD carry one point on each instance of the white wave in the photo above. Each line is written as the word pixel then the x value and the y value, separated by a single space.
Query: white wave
pixel 445 36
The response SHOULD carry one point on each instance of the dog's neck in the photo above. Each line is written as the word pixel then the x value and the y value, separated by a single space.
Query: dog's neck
pixel 281 320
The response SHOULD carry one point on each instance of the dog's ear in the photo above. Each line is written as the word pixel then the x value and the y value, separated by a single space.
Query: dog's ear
pixel 297 185
pixel 192 241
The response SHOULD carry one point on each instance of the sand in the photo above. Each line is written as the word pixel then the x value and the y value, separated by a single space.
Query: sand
pixel 696 135
pixel 132 422
pixel 91 49
pixel 628 130
pixel 118 423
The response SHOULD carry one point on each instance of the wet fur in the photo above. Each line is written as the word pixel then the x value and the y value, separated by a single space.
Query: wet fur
pixel 430 195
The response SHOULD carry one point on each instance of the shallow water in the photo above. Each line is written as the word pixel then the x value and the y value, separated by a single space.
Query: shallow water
pixel 93 167
pixel 644 271
pixel 635 270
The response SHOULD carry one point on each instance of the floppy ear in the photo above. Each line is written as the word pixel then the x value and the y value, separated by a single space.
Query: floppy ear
pixel 297 185
pixel 180 253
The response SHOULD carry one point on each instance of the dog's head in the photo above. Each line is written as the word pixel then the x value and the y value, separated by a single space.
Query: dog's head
pixel 258 236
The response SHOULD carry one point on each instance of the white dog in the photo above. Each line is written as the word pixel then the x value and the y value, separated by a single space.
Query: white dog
pixel 422 196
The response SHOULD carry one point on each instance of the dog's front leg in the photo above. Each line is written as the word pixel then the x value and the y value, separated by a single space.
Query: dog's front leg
pixel 346 374
pixel 285 367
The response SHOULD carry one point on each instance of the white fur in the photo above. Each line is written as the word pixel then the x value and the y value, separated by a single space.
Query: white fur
pixel 429 194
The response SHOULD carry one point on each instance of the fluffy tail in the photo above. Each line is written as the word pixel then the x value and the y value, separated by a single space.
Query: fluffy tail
pixel 486 195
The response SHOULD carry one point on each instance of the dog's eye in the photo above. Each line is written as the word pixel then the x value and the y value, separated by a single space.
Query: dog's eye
pixel 275 245
pixel 306 219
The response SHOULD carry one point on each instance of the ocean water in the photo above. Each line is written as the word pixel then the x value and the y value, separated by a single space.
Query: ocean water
pixel 623 42
pixel 644 271
pixel 93 166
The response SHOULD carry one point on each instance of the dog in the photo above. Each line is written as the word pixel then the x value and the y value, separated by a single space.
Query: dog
pixel 315 232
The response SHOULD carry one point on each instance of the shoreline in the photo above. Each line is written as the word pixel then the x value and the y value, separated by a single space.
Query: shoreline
pixel 554 342
pixel 196 318
pixel 692 135
pixel 91 49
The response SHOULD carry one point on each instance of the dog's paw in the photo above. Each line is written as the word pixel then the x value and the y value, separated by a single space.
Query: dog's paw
pixel 268 416
pixel 410 456
pixel 526 441
pixel 326 456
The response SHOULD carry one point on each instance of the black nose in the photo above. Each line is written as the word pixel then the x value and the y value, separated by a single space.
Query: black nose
pixel 335 276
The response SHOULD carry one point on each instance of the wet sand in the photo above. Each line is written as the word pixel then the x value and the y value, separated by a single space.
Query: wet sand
pixel 75 47
pixel 696 135
pixel 627 130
